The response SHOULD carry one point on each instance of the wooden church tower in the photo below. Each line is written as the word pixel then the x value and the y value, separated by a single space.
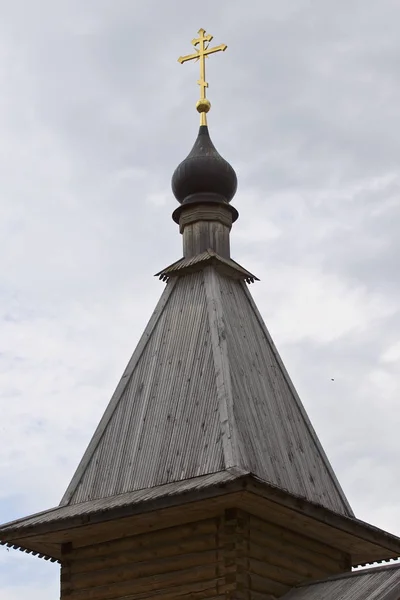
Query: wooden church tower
pixel 205 478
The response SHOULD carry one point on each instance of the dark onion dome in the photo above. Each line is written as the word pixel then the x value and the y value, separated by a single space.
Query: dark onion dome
pixel 204 176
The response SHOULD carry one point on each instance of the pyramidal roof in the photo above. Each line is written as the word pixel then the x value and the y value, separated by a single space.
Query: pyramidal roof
pixel 205 391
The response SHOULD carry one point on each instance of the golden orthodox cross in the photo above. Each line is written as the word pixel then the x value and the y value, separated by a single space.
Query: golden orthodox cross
pixel 202 46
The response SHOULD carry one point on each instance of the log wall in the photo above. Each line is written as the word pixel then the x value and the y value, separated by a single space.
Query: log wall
pixel 164 564
pixel 235 555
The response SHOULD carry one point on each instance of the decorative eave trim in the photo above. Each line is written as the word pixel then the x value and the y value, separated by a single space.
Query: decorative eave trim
pixel 20 534
pixel 226 266
pixel 227 482
pixel 32 552
pixel 347 524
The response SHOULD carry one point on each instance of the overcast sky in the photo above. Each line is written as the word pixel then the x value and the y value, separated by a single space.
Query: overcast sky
pixel 95 114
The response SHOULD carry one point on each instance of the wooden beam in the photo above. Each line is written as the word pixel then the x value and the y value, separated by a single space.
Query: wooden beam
pixel 193 576
pixel 141 569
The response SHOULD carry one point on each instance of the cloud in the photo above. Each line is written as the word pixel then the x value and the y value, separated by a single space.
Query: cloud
pixel 392 354
pixel 95 114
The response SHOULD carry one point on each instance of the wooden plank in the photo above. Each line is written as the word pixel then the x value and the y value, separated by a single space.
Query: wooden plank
pixel 308 559
pixel 147 540
pixel 315 547
pixel 137 570
pixel 87 535
pixel 237 529
pixel 125 555
pixel 352 537
pixel 228 540
pixel 145 584
pixel 257 596
pixel 264 585
pixel 288 520
pixel 248 539
pixel 199 590
pixel 279 557
pixel 243 557
pixel 300 523
pixel 270 571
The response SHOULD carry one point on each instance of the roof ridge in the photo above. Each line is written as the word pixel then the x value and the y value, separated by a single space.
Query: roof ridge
pixel 116 397
pixel 222 368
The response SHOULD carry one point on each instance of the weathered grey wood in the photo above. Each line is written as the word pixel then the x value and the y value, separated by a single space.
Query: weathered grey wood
pixel 282 557
pixel 120 553
pixel 266 569
pixel 185 558
pixel 292 540
pixel 346 535
pixel 257 596
pixel 269 586
pixel 138 569
pixel 145 584
pixel 204 235
pixel 198 591
pixel 297 399
pixel 205 227
pixel 93 534
pixel 118 392
pixel 260 499
pixel 231 545
pixel 244 552
pixel 227 267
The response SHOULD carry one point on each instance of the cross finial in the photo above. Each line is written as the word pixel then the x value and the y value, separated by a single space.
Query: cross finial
pixel 202 46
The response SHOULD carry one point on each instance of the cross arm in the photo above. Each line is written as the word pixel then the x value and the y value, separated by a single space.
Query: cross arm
pixel 222 47
pixel 183 59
